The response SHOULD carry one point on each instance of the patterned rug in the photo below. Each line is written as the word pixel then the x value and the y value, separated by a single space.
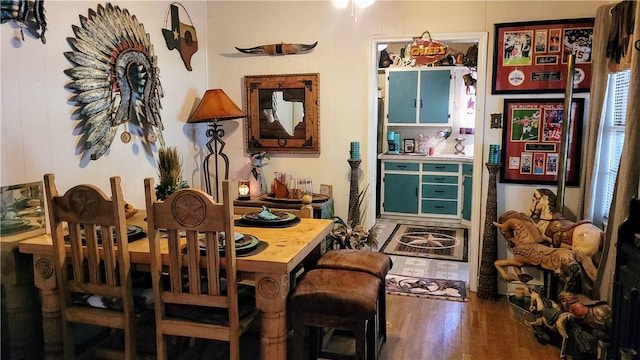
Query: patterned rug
pixel 455 290
pixel 428 242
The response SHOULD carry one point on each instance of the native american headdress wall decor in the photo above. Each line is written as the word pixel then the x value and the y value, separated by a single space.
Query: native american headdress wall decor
pixel 28 14
pixel 115 78
pixel 181 37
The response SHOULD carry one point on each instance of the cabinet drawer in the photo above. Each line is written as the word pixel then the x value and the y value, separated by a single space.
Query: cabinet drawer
pixel 440 191
pixel 440 179
pixel 402 166
pixel 440 207
pixel 467 169
pixel 440 167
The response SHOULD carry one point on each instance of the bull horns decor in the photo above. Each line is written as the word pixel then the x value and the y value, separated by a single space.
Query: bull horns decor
pixel 279 49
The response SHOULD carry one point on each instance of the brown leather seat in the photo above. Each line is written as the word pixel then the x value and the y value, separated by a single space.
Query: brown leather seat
pixel 339 299
pixel 374 263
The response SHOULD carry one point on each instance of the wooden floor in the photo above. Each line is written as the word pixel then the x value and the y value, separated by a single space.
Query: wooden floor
pixel 418 329
pixel 443 330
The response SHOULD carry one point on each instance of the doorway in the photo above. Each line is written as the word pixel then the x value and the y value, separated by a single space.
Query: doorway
pixel 377 132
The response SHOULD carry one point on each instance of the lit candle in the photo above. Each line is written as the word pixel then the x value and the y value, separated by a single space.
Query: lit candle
pixel 243 189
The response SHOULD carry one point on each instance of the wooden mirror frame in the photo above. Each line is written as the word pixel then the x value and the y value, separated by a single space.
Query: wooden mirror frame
pixel 308 139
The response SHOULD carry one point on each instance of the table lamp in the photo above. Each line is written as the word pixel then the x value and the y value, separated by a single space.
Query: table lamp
pixel 215 107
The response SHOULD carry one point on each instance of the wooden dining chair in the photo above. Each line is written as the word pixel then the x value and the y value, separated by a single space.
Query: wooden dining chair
pixel 95 266
pixel 198 296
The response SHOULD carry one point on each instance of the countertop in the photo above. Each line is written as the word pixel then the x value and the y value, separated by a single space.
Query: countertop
pixel 420 157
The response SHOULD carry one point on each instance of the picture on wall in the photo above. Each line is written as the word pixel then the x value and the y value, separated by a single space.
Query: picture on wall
pixel 532 57
pixel 22 210
pixel 531 141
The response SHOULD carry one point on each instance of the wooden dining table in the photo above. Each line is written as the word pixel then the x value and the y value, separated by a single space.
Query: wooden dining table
pixel 288 248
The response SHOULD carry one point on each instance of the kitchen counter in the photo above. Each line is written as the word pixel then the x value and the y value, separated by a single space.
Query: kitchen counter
pixel 420 157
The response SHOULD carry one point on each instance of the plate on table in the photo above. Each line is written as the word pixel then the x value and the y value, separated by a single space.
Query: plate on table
pixel 253 218
pixel 133 233
pixel 245 244
pixel 8 225
pixel 272 197
pixel 237 236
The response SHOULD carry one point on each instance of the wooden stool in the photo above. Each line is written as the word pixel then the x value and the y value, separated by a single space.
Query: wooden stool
pixel 338 299
pixel 374 263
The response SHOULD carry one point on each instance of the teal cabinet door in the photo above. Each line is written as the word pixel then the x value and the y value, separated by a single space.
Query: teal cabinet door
pixel 401 193
pixel 403 92
pixel 435 87
pixel 467 187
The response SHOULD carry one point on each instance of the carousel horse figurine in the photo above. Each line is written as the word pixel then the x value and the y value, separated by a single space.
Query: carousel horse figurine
pixel 525 240
pixel 550 315
pixel 594 313
pixel 582 237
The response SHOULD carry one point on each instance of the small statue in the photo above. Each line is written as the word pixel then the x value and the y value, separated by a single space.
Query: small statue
pixel 551 315
pixel 594 313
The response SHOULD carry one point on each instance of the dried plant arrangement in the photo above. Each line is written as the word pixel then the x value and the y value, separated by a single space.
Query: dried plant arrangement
pixel 169 172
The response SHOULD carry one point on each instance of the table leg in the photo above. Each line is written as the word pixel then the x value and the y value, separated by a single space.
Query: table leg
pixel 45 280
pixel 271 299
pixel 21 323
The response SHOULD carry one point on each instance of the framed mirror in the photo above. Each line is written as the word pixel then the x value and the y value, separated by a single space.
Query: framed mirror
pixel 283 113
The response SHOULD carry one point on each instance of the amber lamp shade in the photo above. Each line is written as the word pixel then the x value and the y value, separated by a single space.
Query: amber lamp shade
pixel 215 107
pixel 243 190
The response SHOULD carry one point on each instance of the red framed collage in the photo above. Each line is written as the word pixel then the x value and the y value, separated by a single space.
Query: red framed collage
pixel 531 57
pixel 531 141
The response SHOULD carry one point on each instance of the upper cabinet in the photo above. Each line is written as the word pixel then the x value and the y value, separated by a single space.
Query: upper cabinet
pixel 419 96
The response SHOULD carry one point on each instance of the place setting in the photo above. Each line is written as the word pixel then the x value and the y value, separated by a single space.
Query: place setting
pixel 268 218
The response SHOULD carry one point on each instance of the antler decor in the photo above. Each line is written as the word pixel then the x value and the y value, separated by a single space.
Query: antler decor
pixel 278 49
pixel 356 237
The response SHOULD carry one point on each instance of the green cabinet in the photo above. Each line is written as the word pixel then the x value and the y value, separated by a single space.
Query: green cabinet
pixel 435 189
pixel 420 97
pixel 401 193
pixel 440 189
pixel 467 189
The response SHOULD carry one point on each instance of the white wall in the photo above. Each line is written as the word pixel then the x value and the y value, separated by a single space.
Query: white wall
pixel 38 133
pixel 39 136
pixel 342 58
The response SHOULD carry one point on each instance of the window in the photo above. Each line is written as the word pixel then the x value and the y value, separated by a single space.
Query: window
pixel 615 113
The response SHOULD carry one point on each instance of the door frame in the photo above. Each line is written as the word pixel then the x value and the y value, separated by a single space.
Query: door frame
pixel 479 172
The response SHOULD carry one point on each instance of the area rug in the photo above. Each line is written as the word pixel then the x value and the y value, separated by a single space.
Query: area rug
pixel 432 242
pixel 455 290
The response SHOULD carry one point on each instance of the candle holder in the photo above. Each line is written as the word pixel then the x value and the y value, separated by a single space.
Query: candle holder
pixel 244 190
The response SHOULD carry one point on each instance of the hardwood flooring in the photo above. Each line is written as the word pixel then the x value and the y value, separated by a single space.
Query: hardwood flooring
pixel 445 330
pixel 417 329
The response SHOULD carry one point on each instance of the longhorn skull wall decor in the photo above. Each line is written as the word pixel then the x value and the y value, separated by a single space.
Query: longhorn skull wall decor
pixel 278 49
pixel 115 78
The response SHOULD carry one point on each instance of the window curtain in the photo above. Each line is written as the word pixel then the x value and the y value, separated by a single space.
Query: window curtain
pixel 599 79
pixel 612 21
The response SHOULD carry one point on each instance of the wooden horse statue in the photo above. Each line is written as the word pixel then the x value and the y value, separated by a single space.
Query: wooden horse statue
pixel 525 239
pixel 551 315
pixel 582 237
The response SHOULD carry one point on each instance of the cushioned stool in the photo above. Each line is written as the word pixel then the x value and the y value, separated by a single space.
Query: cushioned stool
pixel 374 263
pixel 338 299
